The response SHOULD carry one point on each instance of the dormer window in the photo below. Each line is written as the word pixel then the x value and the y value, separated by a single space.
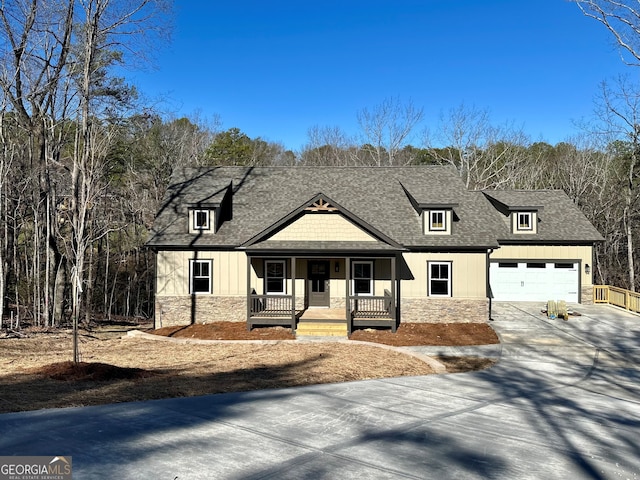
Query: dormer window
pixel 525 221
pixel 437 221
pixel 201 220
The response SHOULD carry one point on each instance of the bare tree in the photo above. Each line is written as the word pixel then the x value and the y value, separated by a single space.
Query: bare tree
pixel 35 41
pixel 592 178
pixel 149 149
pixel 327 146
pixel 108 27
pixel 387 128
pixel 581 169
pixel 485 156
pixel 622 19
pixel 57 89
pixel 7 153
pixel 146 150
pixel 618 111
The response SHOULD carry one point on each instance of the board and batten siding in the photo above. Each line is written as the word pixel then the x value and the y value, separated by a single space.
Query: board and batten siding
pixel 229 272
pixel 469 274
pixel 550 253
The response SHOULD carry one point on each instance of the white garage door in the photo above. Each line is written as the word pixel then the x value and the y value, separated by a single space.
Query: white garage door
pixel 534 281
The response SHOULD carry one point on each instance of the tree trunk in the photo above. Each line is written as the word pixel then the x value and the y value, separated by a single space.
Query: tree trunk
pixel 105 289
pixel 629 215
pixel 88 299
pixel 59 286
pixel 632 276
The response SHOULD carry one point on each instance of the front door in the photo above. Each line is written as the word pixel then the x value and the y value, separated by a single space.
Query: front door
pixel 318 283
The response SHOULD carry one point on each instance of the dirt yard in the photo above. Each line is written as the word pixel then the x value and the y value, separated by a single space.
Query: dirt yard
pixel 35 371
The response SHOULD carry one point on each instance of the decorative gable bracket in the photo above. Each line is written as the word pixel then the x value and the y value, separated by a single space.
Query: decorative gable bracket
pixel 321 205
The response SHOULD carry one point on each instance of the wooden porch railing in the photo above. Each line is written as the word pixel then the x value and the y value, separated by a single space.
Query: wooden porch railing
pixel 271 305
pixel 371 307
pixel 617 296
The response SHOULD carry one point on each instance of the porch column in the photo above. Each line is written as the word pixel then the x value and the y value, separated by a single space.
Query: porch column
pixel 293 294
pixel 394 312
pixel 397 293
pixel 248 292
pixel 347 301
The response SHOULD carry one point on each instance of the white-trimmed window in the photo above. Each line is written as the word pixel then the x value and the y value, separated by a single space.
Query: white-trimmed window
pixel 201 219
pixel 439 279
pixel 362 277
pixel 274 277
pixel 200 278
pixel 437 221
pixel 524 221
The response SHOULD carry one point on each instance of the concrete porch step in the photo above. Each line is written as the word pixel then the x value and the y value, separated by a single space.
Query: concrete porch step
pixel 322 329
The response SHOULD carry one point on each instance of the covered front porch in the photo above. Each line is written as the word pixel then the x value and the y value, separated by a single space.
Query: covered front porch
pixel 352 289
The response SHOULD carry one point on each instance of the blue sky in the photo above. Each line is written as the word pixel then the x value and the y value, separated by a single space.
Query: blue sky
pixel 276 68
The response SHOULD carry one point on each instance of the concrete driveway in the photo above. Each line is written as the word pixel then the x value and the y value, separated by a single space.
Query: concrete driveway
pixel 563 402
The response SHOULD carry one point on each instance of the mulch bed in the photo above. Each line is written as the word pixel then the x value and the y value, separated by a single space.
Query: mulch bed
pixel 225 331
pixel 437 334
pixel 408 334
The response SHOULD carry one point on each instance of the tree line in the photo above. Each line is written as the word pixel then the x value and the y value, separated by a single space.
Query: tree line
pixel 85 160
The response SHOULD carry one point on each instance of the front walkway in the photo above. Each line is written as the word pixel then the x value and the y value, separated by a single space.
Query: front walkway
pixel 563 402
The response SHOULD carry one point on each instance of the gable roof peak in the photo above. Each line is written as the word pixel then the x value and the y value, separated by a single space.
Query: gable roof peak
pixel 321 203
pixel 331 206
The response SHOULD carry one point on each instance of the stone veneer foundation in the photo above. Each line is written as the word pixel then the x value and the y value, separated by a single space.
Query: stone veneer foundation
pixel 172 311
pixel 177 310
pixel 444 310
pixel 586 295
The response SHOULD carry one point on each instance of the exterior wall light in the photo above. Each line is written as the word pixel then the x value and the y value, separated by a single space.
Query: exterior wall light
pixel 587 268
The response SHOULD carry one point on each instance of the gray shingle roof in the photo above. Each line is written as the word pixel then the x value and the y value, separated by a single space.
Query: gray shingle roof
pixel 519 199
pixel 383 198
pixel 559 219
